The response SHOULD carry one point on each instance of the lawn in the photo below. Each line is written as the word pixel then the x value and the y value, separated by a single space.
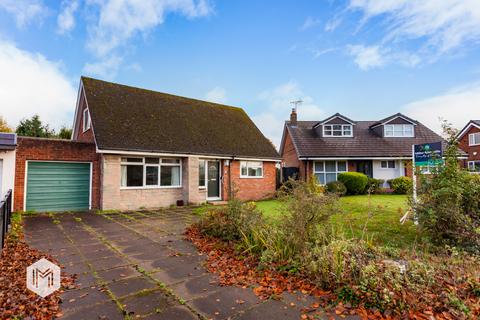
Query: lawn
pixel 381 217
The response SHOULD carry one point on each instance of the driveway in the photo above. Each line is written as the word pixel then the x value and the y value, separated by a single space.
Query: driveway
pixel 137 265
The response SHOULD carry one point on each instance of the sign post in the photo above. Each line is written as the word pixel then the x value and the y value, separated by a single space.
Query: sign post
pixel 426 156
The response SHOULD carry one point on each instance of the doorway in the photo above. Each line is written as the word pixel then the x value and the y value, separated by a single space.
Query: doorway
pixel 213 180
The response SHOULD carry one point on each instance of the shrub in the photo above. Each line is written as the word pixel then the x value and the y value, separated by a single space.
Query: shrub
pixel 401 185
pixel 337 188
pixel 448 206
pixel 374 185
pixel 354 181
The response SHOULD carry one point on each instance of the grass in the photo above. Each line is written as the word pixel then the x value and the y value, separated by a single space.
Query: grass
pixel 381 219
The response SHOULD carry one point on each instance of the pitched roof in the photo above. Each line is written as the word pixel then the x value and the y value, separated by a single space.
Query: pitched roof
pixel 336 115
pixel 465 129
pixel 387 119
pixel 364 143
pixel 133 119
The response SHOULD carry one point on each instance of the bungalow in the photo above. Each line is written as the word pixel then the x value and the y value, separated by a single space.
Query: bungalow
pixel 469 141
pixel 380 149
pixel 133 148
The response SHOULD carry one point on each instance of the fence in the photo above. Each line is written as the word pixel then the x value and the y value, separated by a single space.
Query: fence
pixel 5 215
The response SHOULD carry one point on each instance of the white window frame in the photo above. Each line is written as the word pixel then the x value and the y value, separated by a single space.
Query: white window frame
pixel 249 164
pixel 86 120
pixel 474 139
pixel 471 166
pixel 344 128
pixel 387 164
pixel 324 172
pixel 205 172
pixel 403 135
pixel 145 165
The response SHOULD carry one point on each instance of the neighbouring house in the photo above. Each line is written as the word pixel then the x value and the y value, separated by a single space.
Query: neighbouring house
pixel 135 148
pixel 380 149
pixel 469 141
pixel 8 144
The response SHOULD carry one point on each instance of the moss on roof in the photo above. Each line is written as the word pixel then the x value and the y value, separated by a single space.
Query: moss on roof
pixel 135 119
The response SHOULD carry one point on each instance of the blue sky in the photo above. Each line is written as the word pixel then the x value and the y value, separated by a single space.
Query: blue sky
pixel 366 59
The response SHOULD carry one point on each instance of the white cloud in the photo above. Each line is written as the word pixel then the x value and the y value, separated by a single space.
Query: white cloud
pixel 367 57
pixel 120 20
pixel 444 25
pixel 278 107
pixel 66 18
pixel 333 24
pixel 457 106
pixel 309 23
pixel 30 84
pixel 106 68
pixel 25 11
pixel 217 94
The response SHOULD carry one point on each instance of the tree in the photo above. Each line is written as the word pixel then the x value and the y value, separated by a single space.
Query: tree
pixel 34 127
pixel 65 133
pixel 4 127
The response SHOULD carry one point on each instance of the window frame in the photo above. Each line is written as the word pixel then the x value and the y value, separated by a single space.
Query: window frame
pixel 242 176
pixel 324 172
pixel 387 166
pixel 144 165
pixel 471 166
pixel 204 172
pixel 342 130
pixel 86 123
pixel 474 139
pixel 403 131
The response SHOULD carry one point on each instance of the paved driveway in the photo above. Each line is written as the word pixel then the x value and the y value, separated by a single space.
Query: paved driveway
pixel 137 264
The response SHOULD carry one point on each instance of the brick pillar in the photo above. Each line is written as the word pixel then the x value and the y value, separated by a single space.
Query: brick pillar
pixel 111 176
pixel 191 191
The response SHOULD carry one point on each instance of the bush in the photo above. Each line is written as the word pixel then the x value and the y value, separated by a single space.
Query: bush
pixel 401 185
pixel 354 181
pixel 374 185
pixel 337 188
pixel 448 206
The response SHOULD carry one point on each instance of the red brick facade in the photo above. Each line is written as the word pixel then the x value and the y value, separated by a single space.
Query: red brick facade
pixel 54 150
pixel 86 136
pixel 250 188
pixel 473 151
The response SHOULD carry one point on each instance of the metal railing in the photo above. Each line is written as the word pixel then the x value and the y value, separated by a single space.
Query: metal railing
pixel 5 215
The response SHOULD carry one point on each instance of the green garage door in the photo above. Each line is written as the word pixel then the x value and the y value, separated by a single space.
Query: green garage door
pixel 58 186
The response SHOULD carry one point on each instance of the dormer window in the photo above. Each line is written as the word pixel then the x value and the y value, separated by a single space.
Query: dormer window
pixel 337 130
pixel 398 130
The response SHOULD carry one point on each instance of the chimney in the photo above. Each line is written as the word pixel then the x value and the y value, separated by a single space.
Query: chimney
pixel 293 117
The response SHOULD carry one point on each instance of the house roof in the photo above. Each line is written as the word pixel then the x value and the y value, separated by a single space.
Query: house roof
pixel 8 141
pixel 336 115
pixel 132 119
pixel 364 143
pixel 474 123
pixel 390 118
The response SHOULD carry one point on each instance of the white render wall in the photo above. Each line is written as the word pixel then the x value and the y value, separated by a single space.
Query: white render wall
pixel 7 171
pixel 387 174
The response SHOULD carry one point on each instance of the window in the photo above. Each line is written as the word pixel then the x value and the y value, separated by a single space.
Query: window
pixel 327 171
pixel 390 164
pixel 86 120
pixel 251 169
pixel 474 139
pixel 337 130
pixel 474 166
pixel 201 174
pixel 150 172
pixel 398 130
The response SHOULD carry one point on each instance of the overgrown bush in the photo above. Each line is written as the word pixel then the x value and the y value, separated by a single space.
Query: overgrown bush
pixel 448 207
pixel 401 185
pixel 374 185
pixel 337 188
pixel 354 181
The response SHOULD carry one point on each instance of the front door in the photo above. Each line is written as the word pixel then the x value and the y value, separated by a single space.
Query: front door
pixel 365 167
pixel 213 180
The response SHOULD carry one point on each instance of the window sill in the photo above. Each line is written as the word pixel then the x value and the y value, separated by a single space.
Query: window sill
pixel 474 145
pixel 151 188
pixel 247 177
pixel 202 188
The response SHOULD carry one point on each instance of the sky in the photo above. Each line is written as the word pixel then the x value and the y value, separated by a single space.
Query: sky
pixel 365 59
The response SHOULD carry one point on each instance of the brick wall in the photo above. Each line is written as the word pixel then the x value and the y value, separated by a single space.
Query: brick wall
pixel 54 150
pixel 86 136
pixel 463 144
pixel 289 155
pixel 250 188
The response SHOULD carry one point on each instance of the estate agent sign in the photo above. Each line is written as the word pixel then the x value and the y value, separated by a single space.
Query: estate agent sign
pixel 427 154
